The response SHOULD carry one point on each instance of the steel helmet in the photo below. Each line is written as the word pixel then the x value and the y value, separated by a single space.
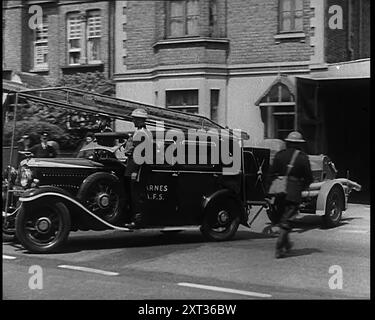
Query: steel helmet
pixel 294 136
pixel 139 113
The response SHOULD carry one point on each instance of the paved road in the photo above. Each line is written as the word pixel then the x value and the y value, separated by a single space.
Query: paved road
pixel 150 265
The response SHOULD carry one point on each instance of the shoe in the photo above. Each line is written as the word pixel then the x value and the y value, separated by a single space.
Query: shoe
pixel 131 225
pixel 136 223
pixel 279 254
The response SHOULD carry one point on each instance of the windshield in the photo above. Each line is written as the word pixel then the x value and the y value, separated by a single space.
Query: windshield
pixel 93 149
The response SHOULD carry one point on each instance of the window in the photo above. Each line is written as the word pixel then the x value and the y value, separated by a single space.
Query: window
pixel 74 38
pixel 84 47
pixel 41 46
pixel 94 30
pixel 290 15
pixel 182 100
pixel 183 18
pixel 214 104
pixel 278 111
pixel 213 18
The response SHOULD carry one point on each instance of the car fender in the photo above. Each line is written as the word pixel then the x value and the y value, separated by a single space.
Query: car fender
pixel 50 191
pixel 323 194
pixel 35 192
pixel 226 193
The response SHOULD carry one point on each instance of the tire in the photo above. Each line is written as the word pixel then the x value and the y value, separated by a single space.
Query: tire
pixel 9 235
pixel 334 208
pixel 221 220
pixel 44 226
pixel 9 231
pixel 103 194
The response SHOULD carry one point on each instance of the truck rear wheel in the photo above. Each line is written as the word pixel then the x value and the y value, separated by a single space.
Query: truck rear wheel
pixel 334 207
pixel 221 220
pixel 44 226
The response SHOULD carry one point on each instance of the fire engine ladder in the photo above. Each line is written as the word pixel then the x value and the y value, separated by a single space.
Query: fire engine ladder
pixel 90 102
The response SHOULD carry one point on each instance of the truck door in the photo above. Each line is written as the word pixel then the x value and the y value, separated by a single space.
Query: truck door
pixel 160 196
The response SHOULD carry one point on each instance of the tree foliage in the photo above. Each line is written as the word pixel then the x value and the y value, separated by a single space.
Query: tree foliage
pixel 35 118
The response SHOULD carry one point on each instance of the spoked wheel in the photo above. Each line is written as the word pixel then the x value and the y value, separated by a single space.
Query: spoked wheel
pixel 43 227
pixel 103 195
pixel 221 221
pixel 334 207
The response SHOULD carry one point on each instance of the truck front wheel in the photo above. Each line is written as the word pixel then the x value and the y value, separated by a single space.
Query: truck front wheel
pixel 44 226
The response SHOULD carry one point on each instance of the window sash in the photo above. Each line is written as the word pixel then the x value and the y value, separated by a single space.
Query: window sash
pixel 291 15
pixel 182 98
pixel 94 33
pixel 274 115
pixel 281 125
pixel 41 46
pixel 183 18
pixel 93 50
pixel 74 27
pixel 94 26
pixel 86 43
pixel 40 55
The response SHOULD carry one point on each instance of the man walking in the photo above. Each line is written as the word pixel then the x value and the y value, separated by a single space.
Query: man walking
pixel 300 174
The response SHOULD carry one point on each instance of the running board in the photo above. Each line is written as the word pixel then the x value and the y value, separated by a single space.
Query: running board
pixel 117 228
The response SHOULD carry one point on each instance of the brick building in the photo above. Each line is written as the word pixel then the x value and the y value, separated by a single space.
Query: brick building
pixel 75 36
pixel 227 59
pixel 264 66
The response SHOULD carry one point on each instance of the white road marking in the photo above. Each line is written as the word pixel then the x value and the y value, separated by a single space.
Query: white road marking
pixel 85 269
pixel 220 289
pixel 8 257
pixel 354 231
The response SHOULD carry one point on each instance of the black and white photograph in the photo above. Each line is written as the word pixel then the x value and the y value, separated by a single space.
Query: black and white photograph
pixel 186 156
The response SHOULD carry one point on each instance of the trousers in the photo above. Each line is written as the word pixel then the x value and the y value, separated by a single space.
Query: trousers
pixel 288 210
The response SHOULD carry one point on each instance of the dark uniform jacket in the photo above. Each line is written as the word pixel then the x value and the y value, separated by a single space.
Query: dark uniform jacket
pixel 301 170
pixel 40 152
pixel 131 145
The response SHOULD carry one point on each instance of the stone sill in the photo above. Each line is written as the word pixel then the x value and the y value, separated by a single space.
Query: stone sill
pixel 290 36
pixel 190 40
pixel 81 66
pixel 39 70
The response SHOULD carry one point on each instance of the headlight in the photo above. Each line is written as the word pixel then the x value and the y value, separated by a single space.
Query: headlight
pixel 26 177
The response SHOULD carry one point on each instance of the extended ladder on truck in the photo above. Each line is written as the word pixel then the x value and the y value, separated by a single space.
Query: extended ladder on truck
pixel 90 102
